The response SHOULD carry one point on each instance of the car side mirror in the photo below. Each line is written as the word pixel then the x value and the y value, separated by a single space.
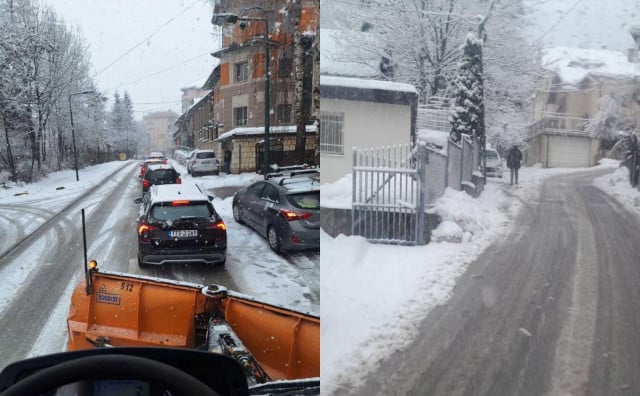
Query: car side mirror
pixel 138 200
pixel 211 197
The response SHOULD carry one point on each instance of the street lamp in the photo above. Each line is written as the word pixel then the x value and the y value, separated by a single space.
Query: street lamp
pixel 229 18
pixel 73 133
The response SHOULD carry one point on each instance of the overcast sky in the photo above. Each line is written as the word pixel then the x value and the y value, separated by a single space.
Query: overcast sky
pixel 113 27
pixel 584 23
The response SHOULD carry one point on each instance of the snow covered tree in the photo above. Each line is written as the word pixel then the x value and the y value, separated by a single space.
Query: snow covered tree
pixel 42 63
pixel 422 39
pixel 468 107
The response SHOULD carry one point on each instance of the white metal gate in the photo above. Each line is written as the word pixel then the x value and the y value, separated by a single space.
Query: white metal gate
pixel 389 194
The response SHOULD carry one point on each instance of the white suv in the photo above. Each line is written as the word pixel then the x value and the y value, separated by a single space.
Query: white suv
pixel 203 161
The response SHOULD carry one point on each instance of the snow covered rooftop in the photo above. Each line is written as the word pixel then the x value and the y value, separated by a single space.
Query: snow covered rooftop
pixel 338 58
pixel 197 100
pixel 366 84
pixel 574 64
pixel 245 131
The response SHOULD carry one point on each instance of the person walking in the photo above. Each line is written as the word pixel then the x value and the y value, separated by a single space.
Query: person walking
pixel 513 162
pixel 227 160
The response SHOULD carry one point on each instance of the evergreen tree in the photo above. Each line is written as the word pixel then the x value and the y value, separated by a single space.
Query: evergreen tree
pixel 468 108
pixel 116 129
pixel 127 120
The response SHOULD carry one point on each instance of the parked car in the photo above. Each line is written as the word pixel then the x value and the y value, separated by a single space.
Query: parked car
pixel 178 224
pixel 493 163
pixel 284 208
pixel 203 161
pixel 159 174
pixel 190 156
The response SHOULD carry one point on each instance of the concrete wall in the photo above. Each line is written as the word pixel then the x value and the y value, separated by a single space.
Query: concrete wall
pixel 366 124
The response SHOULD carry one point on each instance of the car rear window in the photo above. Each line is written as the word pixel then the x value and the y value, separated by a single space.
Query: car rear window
pixel 491 154
pixel 309 200
pixel 166 211
pixel 206 154
pixel 161 174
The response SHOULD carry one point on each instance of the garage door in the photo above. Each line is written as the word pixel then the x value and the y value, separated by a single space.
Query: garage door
pixel 569 152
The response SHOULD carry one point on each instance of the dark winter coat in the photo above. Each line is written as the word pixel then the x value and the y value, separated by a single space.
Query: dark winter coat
pixel 513 158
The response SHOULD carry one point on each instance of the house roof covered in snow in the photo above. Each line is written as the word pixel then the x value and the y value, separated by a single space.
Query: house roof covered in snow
pixel 366 84
pixel 574 64
pixel 252 131
pixel 365 90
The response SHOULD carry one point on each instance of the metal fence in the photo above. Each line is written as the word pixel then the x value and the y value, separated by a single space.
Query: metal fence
pixel 454 166
pixel 436 175
pixel 388 194
pixel 392 187
pixel 433 118
pixel 468 166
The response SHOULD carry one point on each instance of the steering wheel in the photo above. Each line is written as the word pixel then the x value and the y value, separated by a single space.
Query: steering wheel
pixel 102 367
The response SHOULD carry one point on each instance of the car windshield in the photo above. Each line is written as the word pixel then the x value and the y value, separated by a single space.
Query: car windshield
pixel 167 212
pixel 310 200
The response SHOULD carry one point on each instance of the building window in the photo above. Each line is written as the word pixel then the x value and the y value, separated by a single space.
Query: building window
pixel 331 139
pixel 283 115
pixel 285 67
pixel 241 72
pixel 240 116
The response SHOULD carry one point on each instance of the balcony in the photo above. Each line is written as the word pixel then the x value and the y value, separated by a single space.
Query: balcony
pixel 558 124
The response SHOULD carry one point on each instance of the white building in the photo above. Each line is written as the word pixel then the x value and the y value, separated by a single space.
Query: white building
pixel 365 114
pixel 356 109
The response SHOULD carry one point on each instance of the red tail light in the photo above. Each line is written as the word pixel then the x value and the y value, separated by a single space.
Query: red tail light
pixel 164 162
pixel 178 181
pixel 144 228
pixel 145 183
pixel 218 225
pixel 180 202
pixel 292 215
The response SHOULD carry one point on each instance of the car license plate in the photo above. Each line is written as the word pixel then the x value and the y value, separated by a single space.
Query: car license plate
pixel 183 233
pixel 206 162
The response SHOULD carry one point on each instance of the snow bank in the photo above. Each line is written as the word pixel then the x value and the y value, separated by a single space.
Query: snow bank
pixel 337 194
pixel 61 183
pixel 617 185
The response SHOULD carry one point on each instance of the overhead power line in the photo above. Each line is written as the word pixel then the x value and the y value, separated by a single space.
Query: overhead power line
pixel 149 36
pixel 163 70
pixel 559 20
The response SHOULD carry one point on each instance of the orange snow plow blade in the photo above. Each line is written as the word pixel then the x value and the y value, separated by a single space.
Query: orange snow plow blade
pixel 131 310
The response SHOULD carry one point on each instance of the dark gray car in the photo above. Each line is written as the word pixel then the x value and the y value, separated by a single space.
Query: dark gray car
pixel 285 209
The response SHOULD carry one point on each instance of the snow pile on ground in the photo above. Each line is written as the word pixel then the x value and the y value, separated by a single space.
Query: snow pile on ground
pixel 618 186
pixel 471 215
pixel 374 296
pixel 337 194
pixel 59 183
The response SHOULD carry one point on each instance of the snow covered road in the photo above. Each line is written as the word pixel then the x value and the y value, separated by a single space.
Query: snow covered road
pixel 550 309
pixel 41 258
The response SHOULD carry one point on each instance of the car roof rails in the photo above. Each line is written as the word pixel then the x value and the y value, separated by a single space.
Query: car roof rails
pixel 305 172
pixel 272 175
